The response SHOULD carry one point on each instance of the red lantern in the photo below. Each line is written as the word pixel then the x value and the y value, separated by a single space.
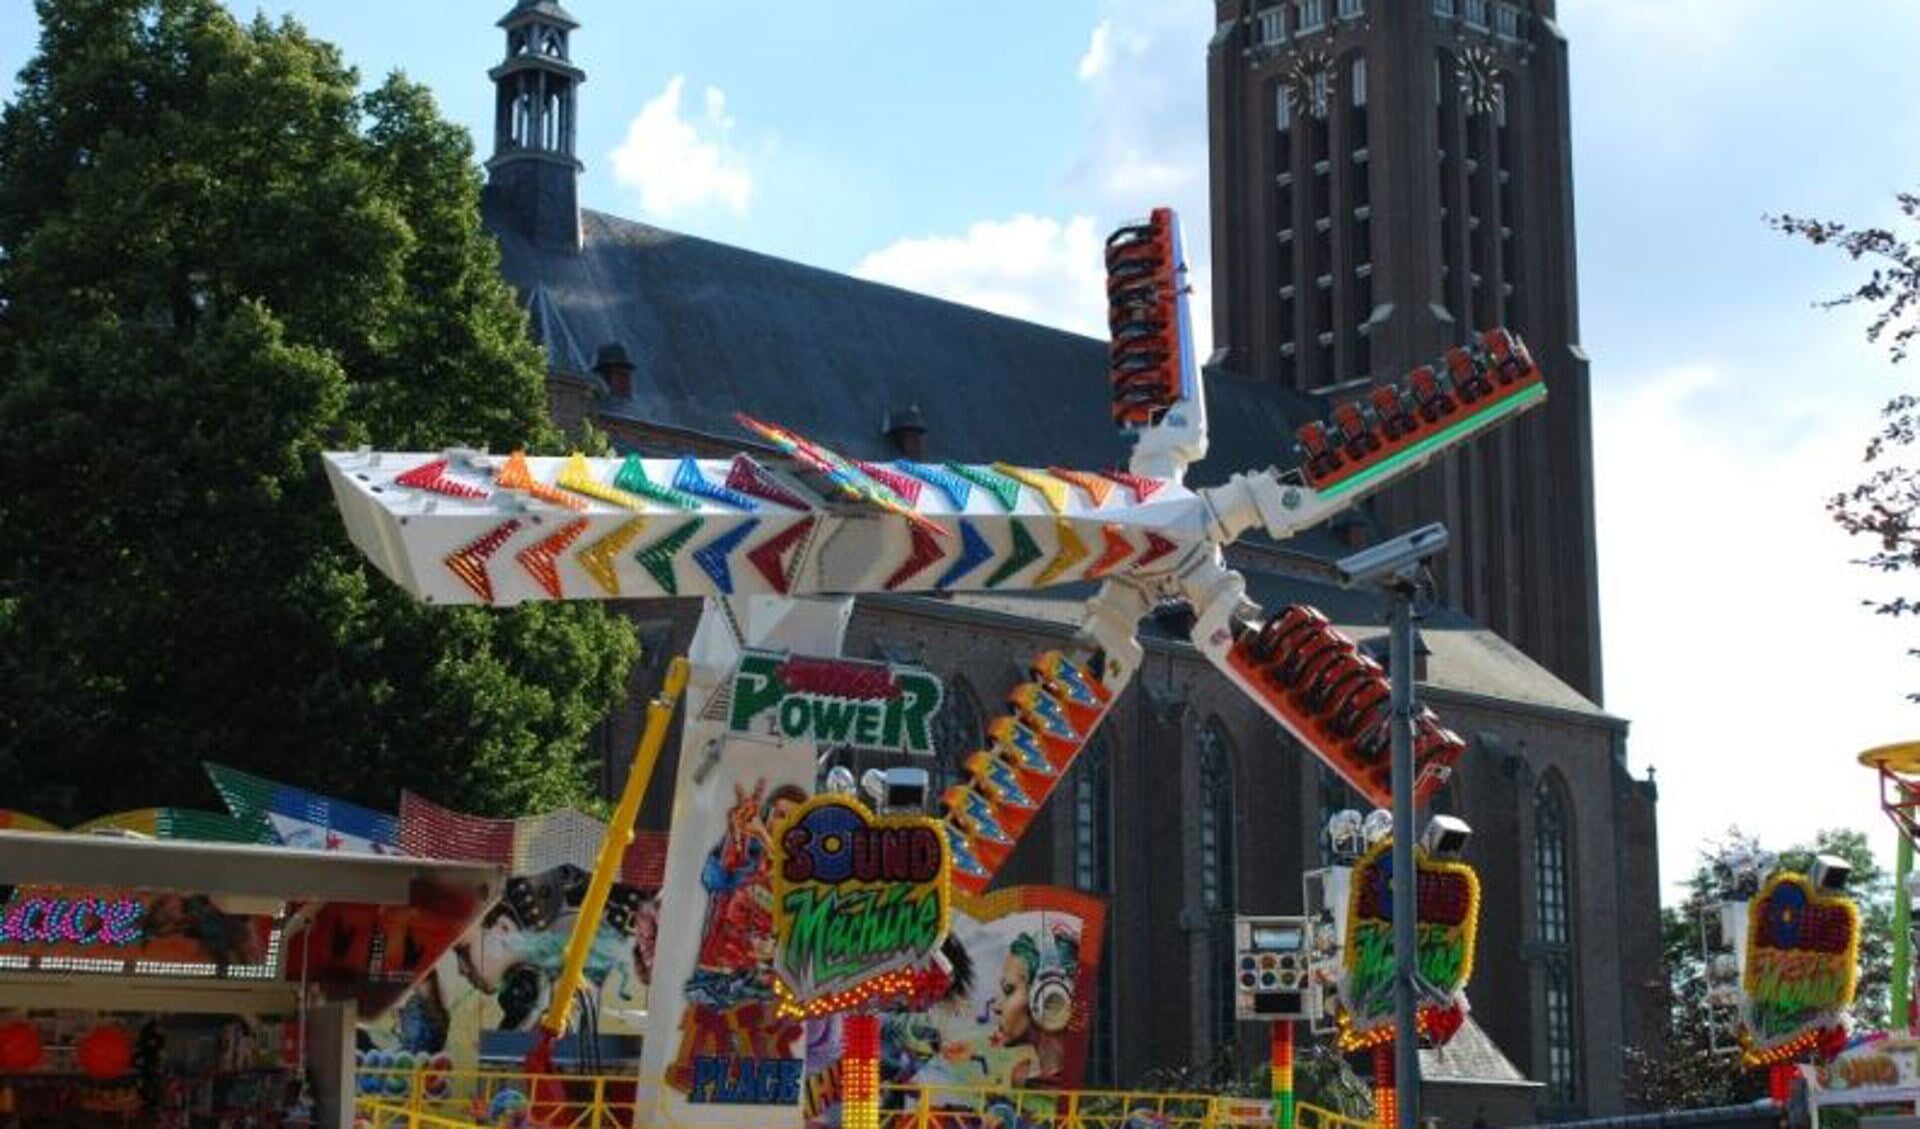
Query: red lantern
pixel 106 1052
pixel 20 1049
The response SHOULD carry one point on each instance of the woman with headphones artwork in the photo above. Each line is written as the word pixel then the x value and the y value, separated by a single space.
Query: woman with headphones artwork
pixel 1034 1005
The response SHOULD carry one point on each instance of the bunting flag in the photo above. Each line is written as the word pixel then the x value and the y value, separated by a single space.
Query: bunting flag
pixel 1005 490
pixel 632 477
pixel 1072 551
pixel 433 476
pixel 526 846
pixel 1097 489
pixel 750 477
pixel 1051 490
pixel 469 561
pixel 924 551
pixel 1117 551
pixel 1143 488
pixel 1025 551
pixel 578 477
pixel 542 558
pixel 657 558
pixel 1157 547
pixel 712 557
pixel 957 489
pixel 974 552
pixel 908 488
pixel 778 556
pixel 692 480
pixel 517 475
pixel 300 818
pixel 597 559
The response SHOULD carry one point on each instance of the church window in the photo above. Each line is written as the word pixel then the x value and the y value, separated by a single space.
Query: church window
pixel 1273 24
pixel 1217 876
pixel 957 732
pixel 1313 16
pixel 1093 873
pixel 1477 13
pixel 1554 929
pixel 1443 8
pixel 1358 81
pixel 1352 9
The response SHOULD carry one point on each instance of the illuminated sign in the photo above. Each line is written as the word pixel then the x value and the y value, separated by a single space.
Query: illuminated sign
pixel 856 896
pixel 1800 972
pixel 54 922
pixel 1448 910
pixel 111 922
pixel 835 702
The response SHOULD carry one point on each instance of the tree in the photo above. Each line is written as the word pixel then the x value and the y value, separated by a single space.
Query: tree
pixel 217 259
pixel 1885 506
pixel 1695 1068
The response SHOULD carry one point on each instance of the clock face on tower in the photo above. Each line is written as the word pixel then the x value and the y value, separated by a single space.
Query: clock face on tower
pixel 1310 84
pixel 1479 77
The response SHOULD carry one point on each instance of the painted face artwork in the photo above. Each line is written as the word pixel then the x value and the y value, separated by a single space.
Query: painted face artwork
pixel 1013 1024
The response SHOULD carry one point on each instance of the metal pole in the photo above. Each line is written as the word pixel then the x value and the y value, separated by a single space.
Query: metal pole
pixel 1405 877
pixel 1901 1017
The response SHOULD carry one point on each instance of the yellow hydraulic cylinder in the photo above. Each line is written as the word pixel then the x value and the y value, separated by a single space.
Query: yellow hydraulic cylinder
pixel 613 848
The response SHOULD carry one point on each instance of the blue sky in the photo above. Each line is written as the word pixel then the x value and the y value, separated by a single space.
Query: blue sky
pixel 978 151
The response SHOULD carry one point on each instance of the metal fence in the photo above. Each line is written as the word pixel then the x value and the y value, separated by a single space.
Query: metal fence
pixel 462 1099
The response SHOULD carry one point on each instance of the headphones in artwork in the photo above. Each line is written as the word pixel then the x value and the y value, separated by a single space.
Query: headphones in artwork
pixel 1054 957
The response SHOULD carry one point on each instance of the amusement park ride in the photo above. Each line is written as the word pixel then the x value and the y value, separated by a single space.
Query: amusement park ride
pixel 778 541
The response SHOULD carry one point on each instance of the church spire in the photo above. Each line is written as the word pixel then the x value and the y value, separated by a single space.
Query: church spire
pixel 533 175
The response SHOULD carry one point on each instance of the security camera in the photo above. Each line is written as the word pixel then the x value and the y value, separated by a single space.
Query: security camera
pixel 896 789
pixel 1395 561
pixel 1378 825
pixel 1830 874
pixel 1445 837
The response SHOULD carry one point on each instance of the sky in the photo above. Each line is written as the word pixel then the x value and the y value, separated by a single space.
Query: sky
pixel 981 151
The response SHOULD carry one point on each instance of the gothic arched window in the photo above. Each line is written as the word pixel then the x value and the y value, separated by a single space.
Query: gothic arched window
pixel 1093 873
pixel 957 732
pixel 1553 886
pixel 1217 875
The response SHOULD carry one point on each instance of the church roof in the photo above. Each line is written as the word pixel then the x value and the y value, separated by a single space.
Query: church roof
pixel 714 329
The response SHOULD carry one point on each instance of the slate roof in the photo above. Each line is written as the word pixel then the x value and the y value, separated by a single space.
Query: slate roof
pixel 714 329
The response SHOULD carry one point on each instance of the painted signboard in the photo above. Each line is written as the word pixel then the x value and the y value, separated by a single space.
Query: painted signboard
pixel 855 896
pixel 1448 899
pixel 716 1036
pixel 1801 967
pixel 499 975
pixel 1018 1012
pixel 861 705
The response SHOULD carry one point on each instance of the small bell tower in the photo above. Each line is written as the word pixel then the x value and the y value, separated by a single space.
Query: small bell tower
pixel 533 176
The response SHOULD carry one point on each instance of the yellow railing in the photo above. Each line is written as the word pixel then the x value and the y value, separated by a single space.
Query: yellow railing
pixel 462 1099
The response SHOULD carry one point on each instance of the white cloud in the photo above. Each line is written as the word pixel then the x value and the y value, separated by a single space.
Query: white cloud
pixel 679 165
pixel 1094 63
pixel 1736 641
pixel 1030 267
pixel 1144 73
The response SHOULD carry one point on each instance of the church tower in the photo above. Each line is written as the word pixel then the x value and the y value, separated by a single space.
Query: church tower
pixel 1389 177
pixel 533 176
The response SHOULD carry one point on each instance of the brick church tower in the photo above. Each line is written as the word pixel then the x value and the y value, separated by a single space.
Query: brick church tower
pixel 1388 177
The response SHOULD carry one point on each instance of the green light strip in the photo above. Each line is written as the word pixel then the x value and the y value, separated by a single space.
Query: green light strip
pixel 1514 403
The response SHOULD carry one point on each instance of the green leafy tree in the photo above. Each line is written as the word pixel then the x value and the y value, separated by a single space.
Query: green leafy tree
pixel 218 258
pixel 1695 1069
pixel 1884 507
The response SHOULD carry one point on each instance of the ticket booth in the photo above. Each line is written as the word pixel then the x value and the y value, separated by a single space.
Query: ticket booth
pixel 180 984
